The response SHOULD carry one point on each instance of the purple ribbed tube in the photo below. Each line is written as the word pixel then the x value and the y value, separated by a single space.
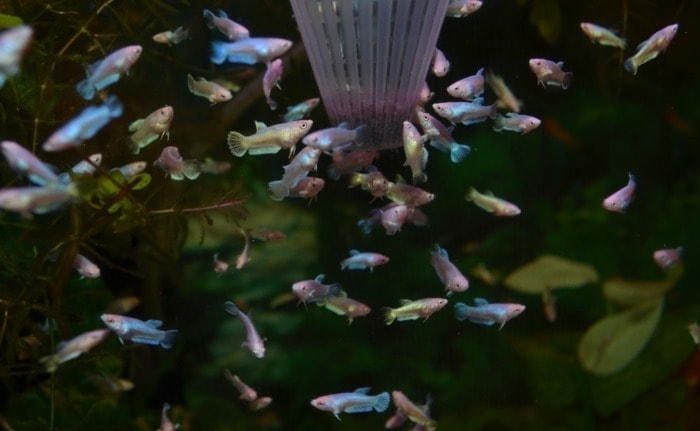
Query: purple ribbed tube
pixel 370 59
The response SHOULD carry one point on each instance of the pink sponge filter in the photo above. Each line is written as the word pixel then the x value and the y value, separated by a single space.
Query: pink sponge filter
pixel 370 59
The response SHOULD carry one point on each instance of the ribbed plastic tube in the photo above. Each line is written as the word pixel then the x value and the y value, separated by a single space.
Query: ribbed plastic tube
pixel 370 59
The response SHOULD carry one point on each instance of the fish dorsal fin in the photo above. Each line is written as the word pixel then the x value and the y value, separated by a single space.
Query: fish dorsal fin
pixel 405 301
pixel 354 252
pixel 259 125
pixel 154 323
pixel 511 114
pixel 480 72
pixel 560 64
pixel 441 252
pixel 222 14
pixel 480 301
pixel 343 125
pixel 342 294
pixel 319 278
pixel 363 391
pixel 478 101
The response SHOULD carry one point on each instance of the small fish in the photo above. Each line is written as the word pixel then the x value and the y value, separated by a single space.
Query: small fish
pixel 488 314
pixel 132 169
pixel 107 71
pixel 335 138
pixel 440 64
pixel 73 348
pixel 220 267
pixel 466 113
pixel 550 73
pixel 254 341
pixel 667 258
pixel 307 188
pixel 83 127
pixel 249 51
pixel 450 276
pixel 271 78
pixel 301 110
pixel 345 162
pixel 27 164
pixel 506 98
pixel 694 330
pixel 462 8
pixel 171 38
pixel 363 260
pixel 468 88
pixel 215 167
pixel 112 384
pixel 266 234
pixel 36 200
pixel 413 412
pixel 147 130
pixel 87 166
pixel 14 43
pixel 170 161
pixel 260 403
pixel 516 123
pixel 621 199
pixel 247 393
pixel 344 306
pixel 211 91
pixel 298 168
pixel 138 331
pixel 268 140
pixel 352 402
pixel 395 421
pixel 373 181
pixel 392 218
pixel 549 304
pixel 314 290
pixel 602 35
pixel 165 423
pixel 415 152
pixel 494 205
pixel 425 95
pixel 650 48
pixel 404 194
pixel 229 28
pixel 244 256
pixel 440 137
pixel 85 267
pixel 122 305
pixel 412 310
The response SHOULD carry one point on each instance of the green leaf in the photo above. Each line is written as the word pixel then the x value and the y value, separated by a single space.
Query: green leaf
pixel 140 181
pixel 8 21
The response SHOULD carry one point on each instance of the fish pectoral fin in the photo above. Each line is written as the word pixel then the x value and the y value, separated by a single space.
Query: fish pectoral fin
pixel 363 391
pixel 135 125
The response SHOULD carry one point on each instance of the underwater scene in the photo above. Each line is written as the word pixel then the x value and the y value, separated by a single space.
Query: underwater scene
pixel 349 215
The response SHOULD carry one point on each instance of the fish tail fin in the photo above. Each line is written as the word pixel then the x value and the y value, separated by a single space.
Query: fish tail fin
pixel 236 143
pixel 231 309
pixel 461 311
pixel 50 363
pixel 493 111
pixel 498 123
pixel 190 82
pixel 132 146
pixel 334 289
pixel 85 89
pixel 278 189
pixel 365 226
pixel 355 180
pixel 389 315
pixel 630 66
pixel 381 402
pixel 209 16
pixel 459 152
pixel 217 54
pixel 471 194
pixel 566 82
pixel 361 135
pixel 168 339
pixel 420 177
pixel 191 169
pixel 115 106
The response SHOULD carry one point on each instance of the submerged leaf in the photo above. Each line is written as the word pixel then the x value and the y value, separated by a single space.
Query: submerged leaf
pixel 614 341
pixel 140 181
pixel 549 271
pixel 632 292
pixel 8 21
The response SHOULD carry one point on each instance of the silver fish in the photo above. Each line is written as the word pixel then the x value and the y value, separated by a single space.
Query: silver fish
pixel 254 341
pixel 107 71
pixel 138 331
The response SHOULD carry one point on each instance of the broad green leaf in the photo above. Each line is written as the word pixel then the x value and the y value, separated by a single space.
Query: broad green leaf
pixel 7 21
pixel 140 181
pixel 630 292
pixel 614 341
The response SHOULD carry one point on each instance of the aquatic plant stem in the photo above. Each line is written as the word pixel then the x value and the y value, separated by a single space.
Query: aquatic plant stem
pixel 199 209
pixel 4 324
pixel 44 84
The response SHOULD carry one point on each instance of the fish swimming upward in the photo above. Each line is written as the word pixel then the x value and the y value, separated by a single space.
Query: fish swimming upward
pixel 254 341
pixel 107 71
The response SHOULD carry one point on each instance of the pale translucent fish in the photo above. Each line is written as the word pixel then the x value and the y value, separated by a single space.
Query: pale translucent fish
pixel 345 162
pixel 650 48
pixel 363 260
pixel 405 194
pixel 85 267
pixel 132 169
pixel 271 79
pixel 602 36
pixel 336 138
pixel 450 276
pixel 14 43
pixel 621 199
pixel 171 162
pixel 87 166
pixel 466 113
pixel 301 110
pixel 416 414
pixel 412 310
pixel 492 204
pixel 165 423
pixel 249 51
pixel 694 330
pixel 107 71
pixel 307 188
pixel 314 290
pixel 550 73
pixel 344 306
pixel 27 164
pixel 352 402
pixel 254 341
pixel 506 98
pixel 71 349
pixel 440 137
pixel 260 403
pixel 229 28
pixel 468 88
pixel 373 181
pixel 211 91
pixel 440 64
pixel 462 8
pixel 667 258
pixel 247 393
pixel 516 123
pixel 147 130
pixel 415 152
pixel 172 37
pixel 85 126
pixel 220 266
pixel 138 331
pixel 488 314
pixel 36 200
pixel 268 140
pixel 298 168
